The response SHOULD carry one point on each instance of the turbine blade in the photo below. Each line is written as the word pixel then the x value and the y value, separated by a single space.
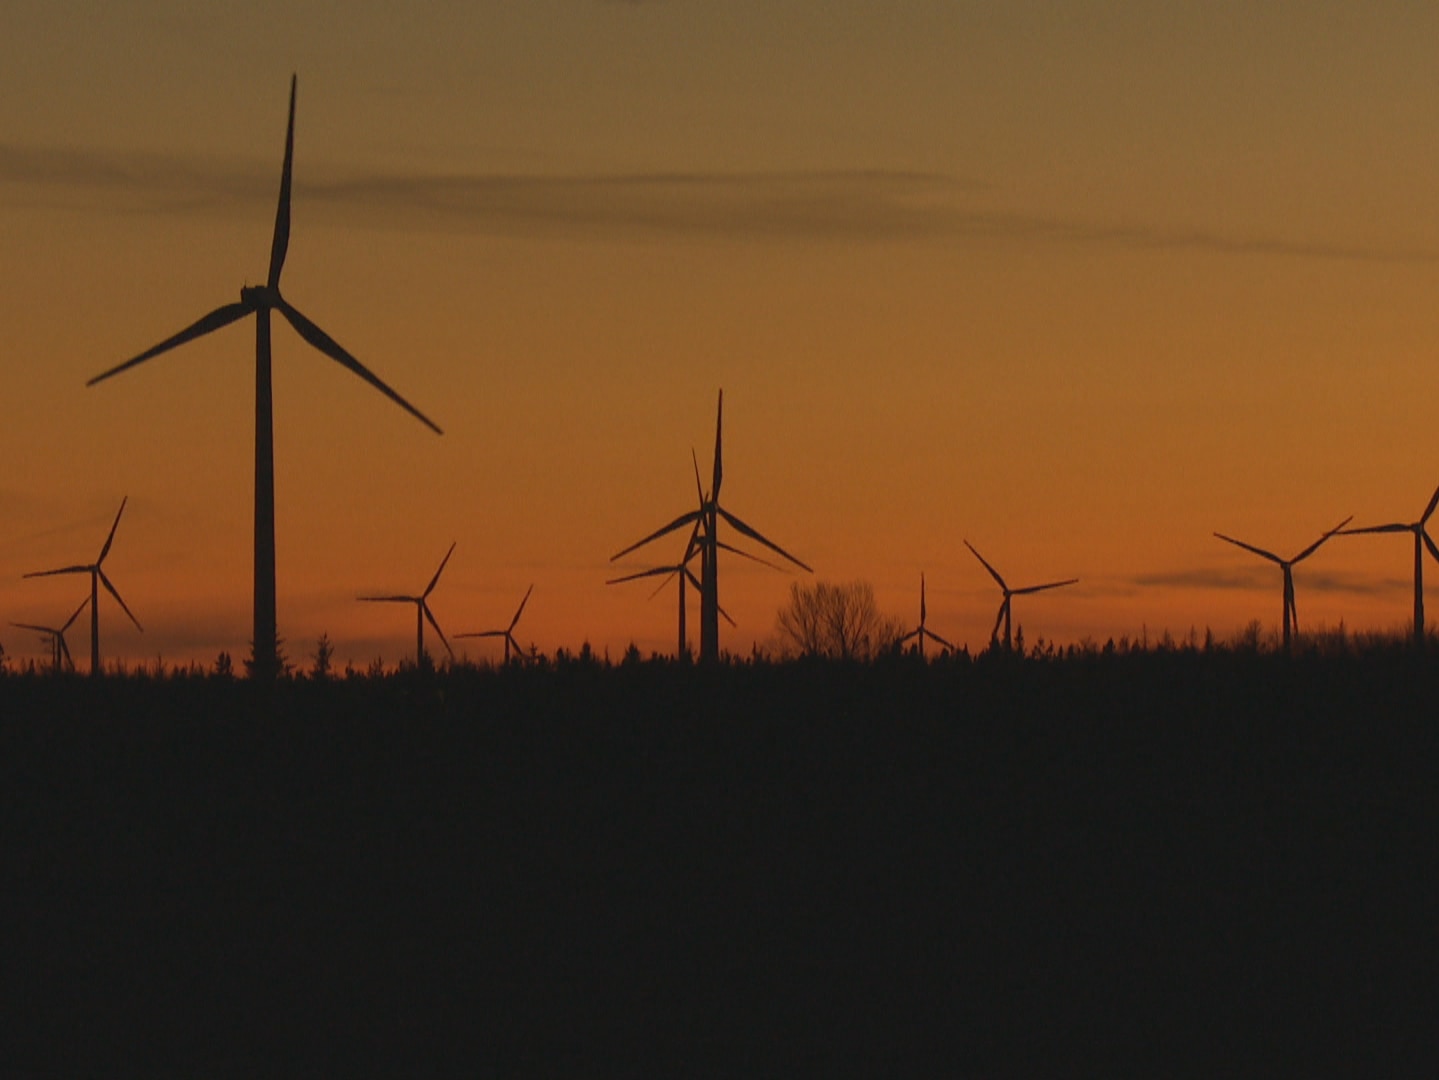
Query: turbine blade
pixel 692 547
pixel 941 640
pixel 331 348
pixel 425 608
pixel 113 592
pixel 70 621
pixel 921 598
pixel 389 599
pixel 481 633
pixel 694 458
pixel 911 634
pixel 719 454
pixel 65 651
pixel 62 570
pixel 683 519
pixel 992 571
pixel 740 526
pixel 1312 548
pixel 281 242
pixel 1250 547
pixel 1429 510
pixel 1040 588
pixel 674 573
pixel 521 609
pixel 994 634
pixel 222 316
pixel 690 577
pixel 1434 551
pixel 655 571
pixel 1393 527
pixel 745 554
pixel 727 618
pixel 111 538
pixel 430 587
pixel 37 629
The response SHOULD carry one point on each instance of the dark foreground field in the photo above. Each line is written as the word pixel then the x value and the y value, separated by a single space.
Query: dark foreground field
pixel 1161 864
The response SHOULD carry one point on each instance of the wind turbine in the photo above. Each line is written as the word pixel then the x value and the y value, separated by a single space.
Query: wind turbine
pixel 1421 541
pixel 97 578
pixel 422 611
pixel 682 571
pixel 1291 613
pixel 260 300
pixel 57 637
pixel 920 632
pixel 508 633
pixel 706 517
pixel 1010 594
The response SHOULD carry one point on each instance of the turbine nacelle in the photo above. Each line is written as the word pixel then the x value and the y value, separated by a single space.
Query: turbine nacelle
pixel 260 297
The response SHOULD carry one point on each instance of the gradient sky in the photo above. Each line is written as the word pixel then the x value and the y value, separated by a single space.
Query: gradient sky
pixel 1081 283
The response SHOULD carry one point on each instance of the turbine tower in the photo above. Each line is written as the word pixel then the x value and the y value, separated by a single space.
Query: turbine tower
pixel 58 648
pixel 259 301
pixel 1421 541
pixel 920 632
pixel 97 578
pixel 508 633
pixel 1291 613
pixel 1009 595
pixel 422 611
pixel 707 517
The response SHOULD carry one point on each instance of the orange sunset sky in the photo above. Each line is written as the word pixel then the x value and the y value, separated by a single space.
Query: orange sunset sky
pixel 1081 283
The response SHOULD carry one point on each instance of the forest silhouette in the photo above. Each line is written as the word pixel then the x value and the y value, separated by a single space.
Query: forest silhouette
pixel 1107 855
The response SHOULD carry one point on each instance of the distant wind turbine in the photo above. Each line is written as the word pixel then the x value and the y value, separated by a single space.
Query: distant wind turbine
pixel 1009 594
pixel 707 517
pixel 422 611
pixel 1291 613
pixel 508 633
pixel 920 632
pixel 682 571
pixel 1421 541
pixel 58 648
pixel 260 300
pixel 97 578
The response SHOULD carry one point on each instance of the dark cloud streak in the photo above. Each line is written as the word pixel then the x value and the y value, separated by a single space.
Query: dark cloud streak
pixel 837 205
pixel 1261 578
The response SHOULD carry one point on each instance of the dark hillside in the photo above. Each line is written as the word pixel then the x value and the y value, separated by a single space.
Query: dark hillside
pixel 1188 862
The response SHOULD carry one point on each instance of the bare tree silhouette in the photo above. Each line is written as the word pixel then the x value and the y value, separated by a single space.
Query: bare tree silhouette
pixel 840 622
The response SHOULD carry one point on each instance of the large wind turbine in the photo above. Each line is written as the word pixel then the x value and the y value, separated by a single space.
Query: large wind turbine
pixel 58 648
pixel 707 517
pixel 422 611
pixel 1421 541
pixel 97 578
pixel 508 633
pixel 1009 594
pixel 920 632
pixel 260 300
pixel 1291 613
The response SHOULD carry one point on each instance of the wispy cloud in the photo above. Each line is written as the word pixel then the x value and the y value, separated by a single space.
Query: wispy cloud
pixel 1261 577
pixel 842 205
